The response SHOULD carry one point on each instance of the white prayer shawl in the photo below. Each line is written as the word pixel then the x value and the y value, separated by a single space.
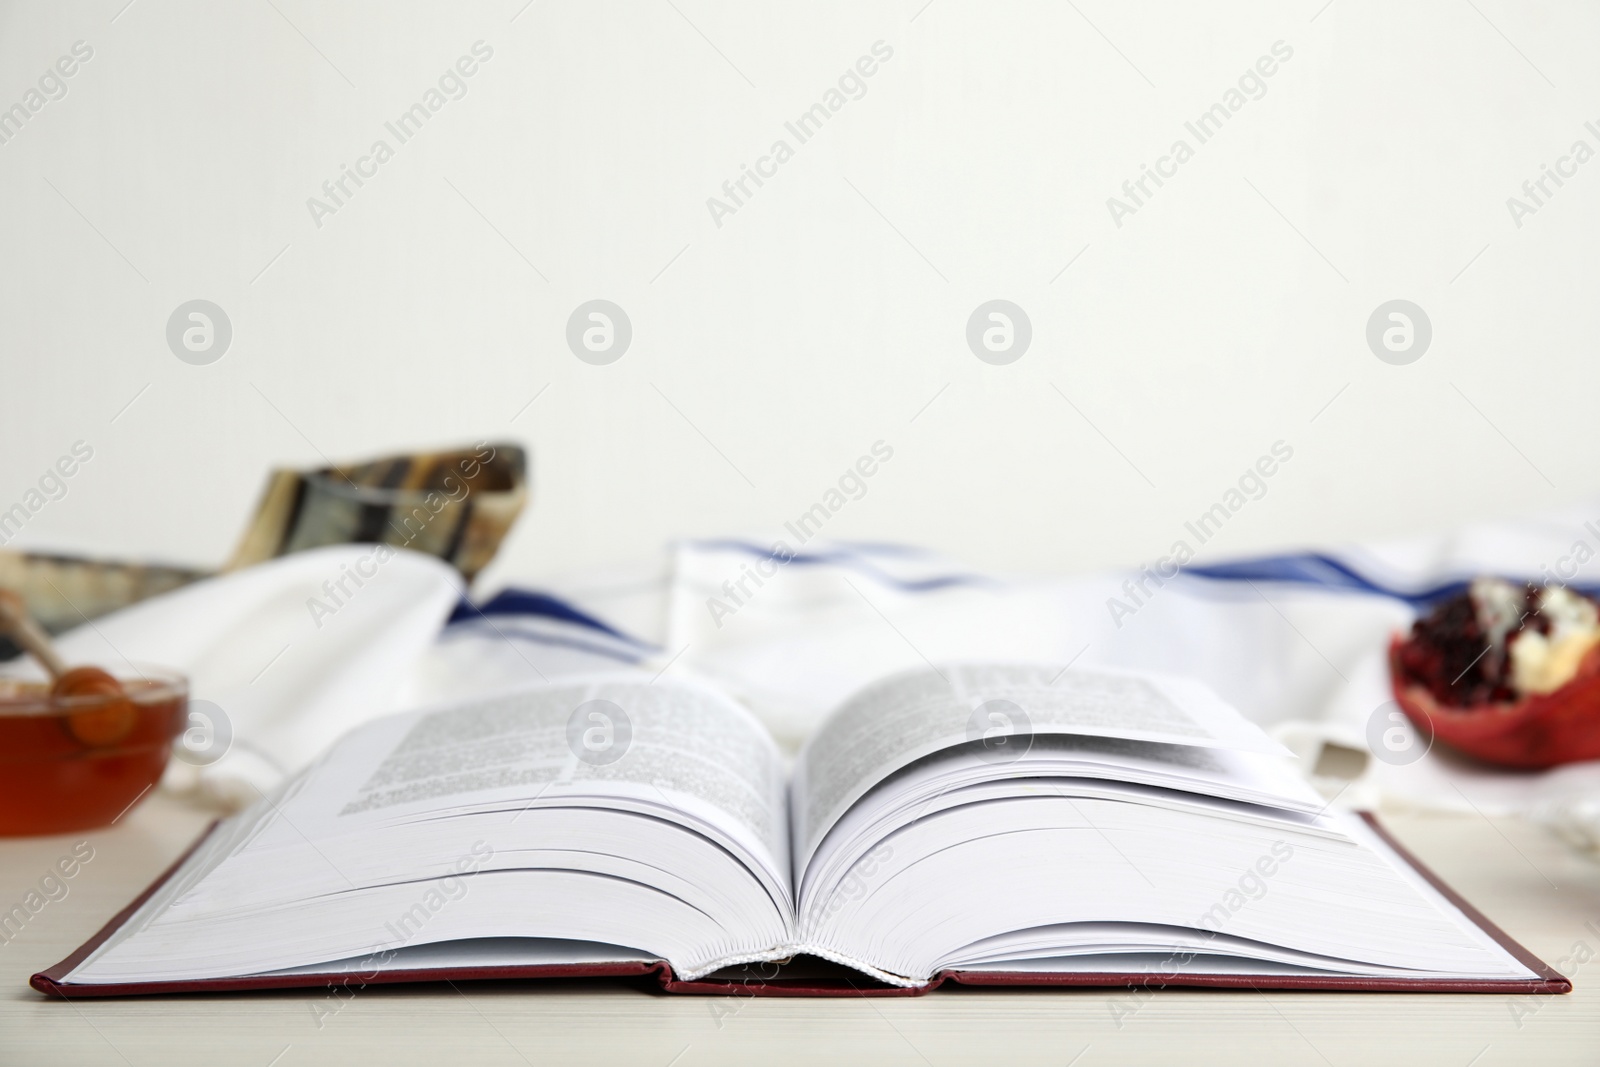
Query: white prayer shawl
pixel 1297 642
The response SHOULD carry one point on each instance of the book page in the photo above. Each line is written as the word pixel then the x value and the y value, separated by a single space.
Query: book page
pixel 667 745
pixel 562 803
pixel 907 716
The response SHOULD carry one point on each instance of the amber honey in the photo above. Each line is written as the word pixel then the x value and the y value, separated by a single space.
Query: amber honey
pixel 81 762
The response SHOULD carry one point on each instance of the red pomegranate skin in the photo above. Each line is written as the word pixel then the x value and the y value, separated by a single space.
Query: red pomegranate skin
pixel 1531 733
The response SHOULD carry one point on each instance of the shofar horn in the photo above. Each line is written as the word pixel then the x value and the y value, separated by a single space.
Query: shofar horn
pixel 457 505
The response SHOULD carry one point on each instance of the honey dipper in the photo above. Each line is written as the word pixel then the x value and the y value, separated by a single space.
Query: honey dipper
pixel 101 725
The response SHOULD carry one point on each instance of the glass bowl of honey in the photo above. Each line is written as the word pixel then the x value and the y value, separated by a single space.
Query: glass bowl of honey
pixel 77 762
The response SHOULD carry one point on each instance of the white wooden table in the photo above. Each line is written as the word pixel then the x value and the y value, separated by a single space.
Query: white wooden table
pixel 1541 892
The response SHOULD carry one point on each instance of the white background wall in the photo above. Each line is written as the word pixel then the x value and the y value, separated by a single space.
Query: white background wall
pixel 824 315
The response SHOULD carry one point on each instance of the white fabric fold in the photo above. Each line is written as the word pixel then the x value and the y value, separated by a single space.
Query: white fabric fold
pixel 293 652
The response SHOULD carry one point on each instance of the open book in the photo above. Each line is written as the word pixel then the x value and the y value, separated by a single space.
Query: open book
pixel 998 824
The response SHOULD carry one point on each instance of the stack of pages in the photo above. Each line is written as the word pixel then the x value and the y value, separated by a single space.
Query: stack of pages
pixel 987 824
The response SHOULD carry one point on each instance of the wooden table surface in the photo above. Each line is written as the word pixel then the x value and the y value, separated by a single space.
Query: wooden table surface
pixel 1544 894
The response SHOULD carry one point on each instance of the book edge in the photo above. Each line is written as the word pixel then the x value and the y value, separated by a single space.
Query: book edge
pixel 1550 979
pixel 52 981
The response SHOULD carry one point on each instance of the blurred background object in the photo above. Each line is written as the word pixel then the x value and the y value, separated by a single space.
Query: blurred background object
pixel 456 504
pixel 66 591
